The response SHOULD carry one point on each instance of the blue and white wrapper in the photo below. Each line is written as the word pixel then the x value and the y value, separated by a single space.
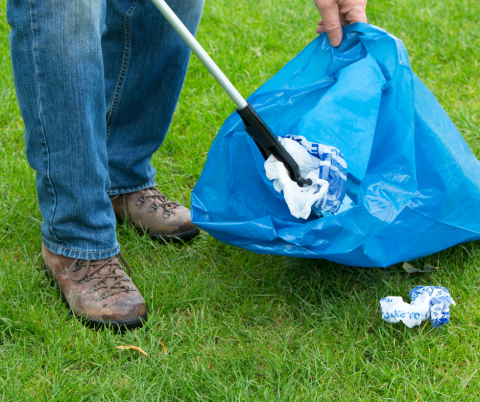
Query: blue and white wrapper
pixel 324 165
pixel 427 302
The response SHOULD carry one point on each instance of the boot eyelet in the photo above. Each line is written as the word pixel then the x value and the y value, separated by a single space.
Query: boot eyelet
pixel 86 279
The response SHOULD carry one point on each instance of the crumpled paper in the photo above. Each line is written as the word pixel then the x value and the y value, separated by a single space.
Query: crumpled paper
pixel 324 165
pixel 427 302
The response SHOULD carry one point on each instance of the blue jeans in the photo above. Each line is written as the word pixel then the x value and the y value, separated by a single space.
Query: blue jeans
pixel 97 82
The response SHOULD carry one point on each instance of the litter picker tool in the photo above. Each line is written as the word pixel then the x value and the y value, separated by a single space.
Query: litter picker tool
pixel 254 125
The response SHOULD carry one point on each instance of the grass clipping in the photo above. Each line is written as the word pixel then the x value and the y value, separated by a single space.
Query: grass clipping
pixel 132 347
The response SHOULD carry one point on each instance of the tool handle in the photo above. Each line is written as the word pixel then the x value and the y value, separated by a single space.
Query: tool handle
pixel 254 125
pixel 201 53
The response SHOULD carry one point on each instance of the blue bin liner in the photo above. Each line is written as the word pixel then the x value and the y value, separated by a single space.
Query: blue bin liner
pixel 412 179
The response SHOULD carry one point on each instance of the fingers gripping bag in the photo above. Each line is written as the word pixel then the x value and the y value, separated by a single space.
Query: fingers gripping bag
pixel 413 185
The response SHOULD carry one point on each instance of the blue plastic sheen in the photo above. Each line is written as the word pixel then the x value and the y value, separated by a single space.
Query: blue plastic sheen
pixel 413 181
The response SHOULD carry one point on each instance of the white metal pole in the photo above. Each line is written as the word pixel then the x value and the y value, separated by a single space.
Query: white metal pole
pixel 201 53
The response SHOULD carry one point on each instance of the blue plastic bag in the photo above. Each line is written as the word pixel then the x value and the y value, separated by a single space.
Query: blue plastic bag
pixel 414 184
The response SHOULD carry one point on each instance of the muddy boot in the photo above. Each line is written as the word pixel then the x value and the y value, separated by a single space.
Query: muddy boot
pixel 151 212
pixel 98 292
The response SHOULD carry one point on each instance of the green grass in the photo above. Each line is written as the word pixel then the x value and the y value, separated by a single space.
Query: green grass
pixel 240 326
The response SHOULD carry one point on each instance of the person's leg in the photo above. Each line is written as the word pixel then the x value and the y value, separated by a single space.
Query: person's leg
pixel 143 83
pixel 59 78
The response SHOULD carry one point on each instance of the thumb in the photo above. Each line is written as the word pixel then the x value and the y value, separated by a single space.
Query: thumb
pixel 331 21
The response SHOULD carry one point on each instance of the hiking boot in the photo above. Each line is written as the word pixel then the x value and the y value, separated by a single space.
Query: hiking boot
pixel 153 213
pixel 98 292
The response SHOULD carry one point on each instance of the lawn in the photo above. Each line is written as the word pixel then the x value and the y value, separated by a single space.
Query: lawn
pixel 228 324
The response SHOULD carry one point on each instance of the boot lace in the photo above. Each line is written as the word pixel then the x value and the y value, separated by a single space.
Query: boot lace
pixel 164 202
pixel 115 272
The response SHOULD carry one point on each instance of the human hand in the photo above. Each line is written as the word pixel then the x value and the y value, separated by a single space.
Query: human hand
pixel 337 13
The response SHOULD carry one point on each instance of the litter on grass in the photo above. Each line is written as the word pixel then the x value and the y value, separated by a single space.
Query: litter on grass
pixel 322 164
pixel 427 302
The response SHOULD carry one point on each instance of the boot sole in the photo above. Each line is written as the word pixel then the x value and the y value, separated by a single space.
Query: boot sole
pixel 180 236
pixel 117 326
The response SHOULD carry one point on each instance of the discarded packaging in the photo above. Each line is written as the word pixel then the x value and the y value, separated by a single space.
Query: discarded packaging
pixel 427 302
pixel 322 164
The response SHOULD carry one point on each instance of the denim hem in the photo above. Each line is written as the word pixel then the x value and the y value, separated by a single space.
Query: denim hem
pixel 125 190
pixel 82 255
